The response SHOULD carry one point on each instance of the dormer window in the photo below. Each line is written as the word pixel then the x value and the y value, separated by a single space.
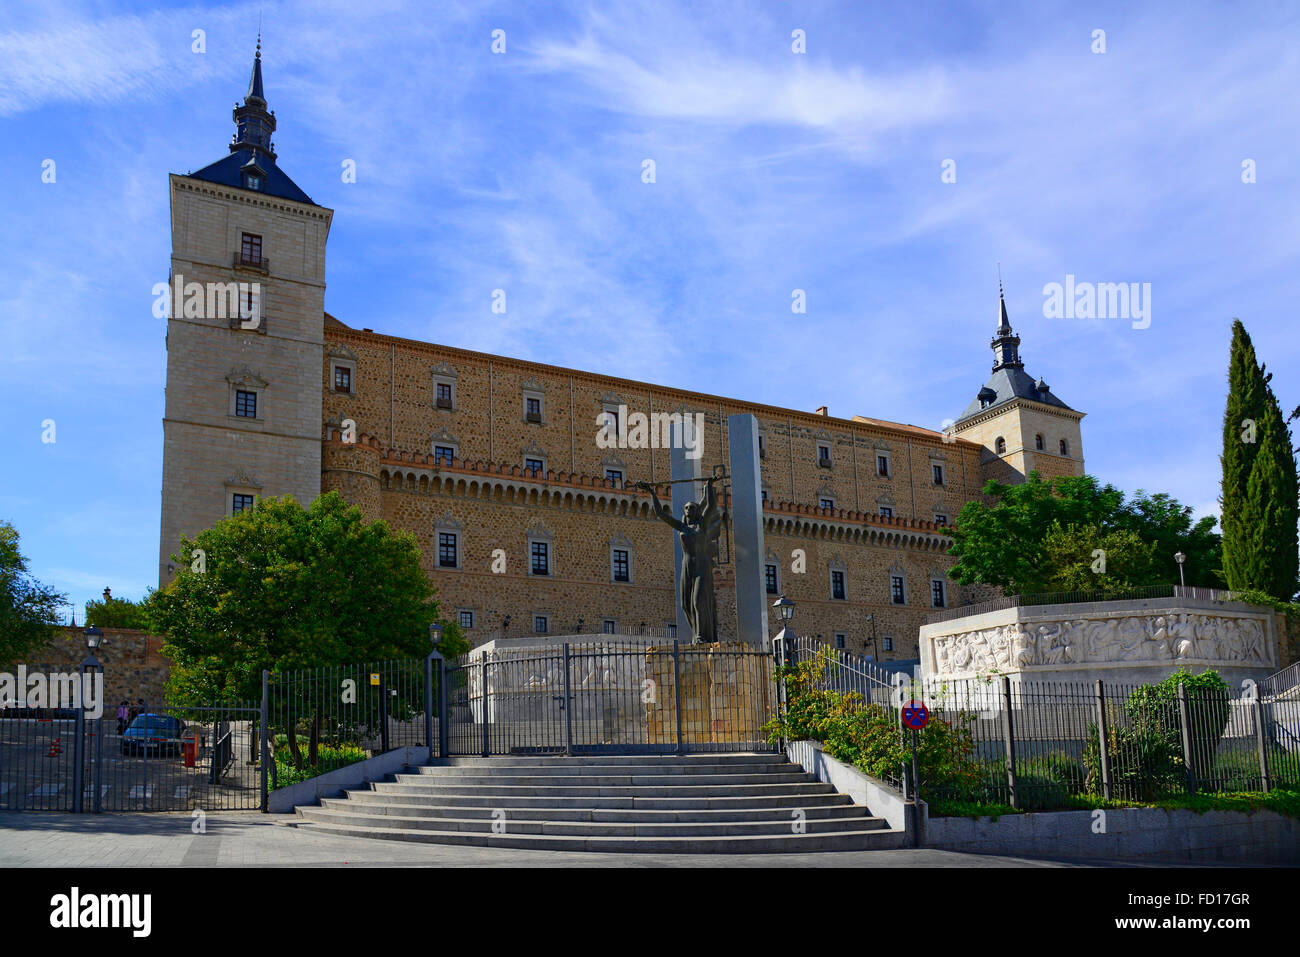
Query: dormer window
pixel 252 181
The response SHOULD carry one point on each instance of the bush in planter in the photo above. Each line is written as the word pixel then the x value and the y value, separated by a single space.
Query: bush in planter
pixel 329 759
pixel 868 736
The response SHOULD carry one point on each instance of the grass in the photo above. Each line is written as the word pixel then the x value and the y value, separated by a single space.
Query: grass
pixel 1283 801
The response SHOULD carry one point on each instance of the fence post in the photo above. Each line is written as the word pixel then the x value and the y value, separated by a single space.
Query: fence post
pixel 677 693
pixel 264 749
pixel 1009 731
pixel 1187 738
pixel 99 766
pixel 79 748
pixel 428 703
pixel 1261 744
pixel 483 698
pixel 444 726
pixel 1102 736
pixel 567 706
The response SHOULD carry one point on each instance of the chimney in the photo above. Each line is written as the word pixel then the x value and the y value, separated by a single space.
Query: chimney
pixel 823 410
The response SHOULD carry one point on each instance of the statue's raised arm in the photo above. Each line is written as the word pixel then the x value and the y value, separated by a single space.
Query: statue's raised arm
pixel 662 511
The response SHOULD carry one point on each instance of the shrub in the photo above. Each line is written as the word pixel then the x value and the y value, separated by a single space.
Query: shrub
pixel 868 736
pixel 329 758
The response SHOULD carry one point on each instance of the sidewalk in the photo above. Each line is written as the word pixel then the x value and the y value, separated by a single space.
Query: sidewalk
pixel 252 839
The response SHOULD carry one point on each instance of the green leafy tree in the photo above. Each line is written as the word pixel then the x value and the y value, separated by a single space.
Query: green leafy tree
pixel 1035 537
pixel 1259 489
pixel 117 613
pixel 281 587
pixel 29 611
pixel 1088 558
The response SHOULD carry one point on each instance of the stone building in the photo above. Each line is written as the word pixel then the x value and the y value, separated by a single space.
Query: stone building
pixel 498 465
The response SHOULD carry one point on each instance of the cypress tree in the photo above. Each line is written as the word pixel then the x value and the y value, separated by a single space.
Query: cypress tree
pixel 1259 490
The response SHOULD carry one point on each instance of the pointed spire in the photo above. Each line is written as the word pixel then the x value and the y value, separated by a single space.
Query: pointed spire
pixel 255 81
pixel 254 124
pixel 1006 344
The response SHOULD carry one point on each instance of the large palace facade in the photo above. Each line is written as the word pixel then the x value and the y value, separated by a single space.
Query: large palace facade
pixel 524 518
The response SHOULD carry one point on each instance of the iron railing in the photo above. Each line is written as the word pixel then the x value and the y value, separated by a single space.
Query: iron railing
pixel 609 696
pixel 1139 593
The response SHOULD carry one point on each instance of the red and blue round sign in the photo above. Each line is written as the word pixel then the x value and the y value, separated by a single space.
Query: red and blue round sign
pixel 915 715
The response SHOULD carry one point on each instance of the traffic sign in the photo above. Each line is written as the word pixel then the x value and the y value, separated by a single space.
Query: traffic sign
pixel 374 677
pixel 915 715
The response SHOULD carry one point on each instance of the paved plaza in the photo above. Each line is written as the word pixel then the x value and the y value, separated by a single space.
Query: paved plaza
pixel 252 839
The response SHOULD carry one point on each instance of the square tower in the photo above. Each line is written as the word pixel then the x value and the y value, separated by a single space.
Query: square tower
pixel 1021 425
pixel 245 339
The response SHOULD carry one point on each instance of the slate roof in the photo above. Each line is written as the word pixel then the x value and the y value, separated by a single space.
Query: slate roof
pixel 226 172
pixel 1012 383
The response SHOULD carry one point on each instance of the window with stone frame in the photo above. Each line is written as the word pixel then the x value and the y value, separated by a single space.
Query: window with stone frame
pixel 245 404
pixel 448 550
pixel 343 379
pixel 240 502
pixel 897 589
pixel 621 564
pixel 250 249
pixel 937 595
pixel 466 618
pixel 769 579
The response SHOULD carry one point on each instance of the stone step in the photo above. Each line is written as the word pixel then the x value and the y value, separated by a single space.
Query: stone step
pixel 363 804
pixel 612 791
pixel 711 802
pixel 539 824
pixel 866 839
pixel 599 770
pixel 480 779
pixel 708 757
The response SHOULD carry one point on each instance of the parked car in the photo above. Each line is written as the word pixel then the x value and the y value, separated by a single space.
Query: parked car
pixel 153 732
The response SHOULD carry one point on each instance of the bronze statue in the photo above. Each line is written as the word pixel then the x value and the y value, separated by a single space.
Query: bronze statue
pixel 699 529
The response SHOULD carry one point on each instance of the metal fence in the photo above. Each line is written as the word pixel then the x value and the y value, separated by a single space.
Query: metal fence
pixel 616 696
pixel 160 758
pixel 1137 593
pixel 321 719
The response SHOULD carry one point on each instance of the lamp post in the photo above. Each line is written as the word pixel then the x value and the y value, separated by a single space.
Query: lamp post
pixel 90 666
pixel 1181 559
pixel 435 639
pixel 875 652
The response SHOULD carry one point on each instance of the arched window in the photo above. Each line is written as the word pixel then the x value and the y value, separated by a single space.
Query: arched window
pixel 1000 445
pixel 1065 447
pixel 1038 441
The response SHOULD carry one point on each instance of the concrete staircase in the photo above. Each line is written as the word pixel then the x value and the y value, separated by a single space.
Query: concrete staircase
pixel 695 804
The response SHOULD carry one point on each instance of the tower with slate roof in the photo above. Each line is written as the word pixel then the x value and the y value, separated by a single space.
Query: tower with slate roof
pixel 245 340
pixel 1020 423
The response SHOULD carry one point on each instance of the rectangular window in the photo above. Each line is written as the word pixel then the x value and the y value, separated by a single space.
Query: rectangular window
pixel 443 454
pixel 841 639
pixel 769 578
pixel 541 557
pixel 940 518
pixel 533 465
pixel 828 503
pixel 240 503
pixel 936 593
pixel 888 643
pixel 886 512
pixel 541 624
pixel 615 476
pixel 533 410
pixel 467 620
pixel 896 594
pixel 762 446
pixel 607 626
pixel 447 549
pixel 342 379
pixel 837 585
pixel 444 395
pixel 246 404
pixel 938 474
pixel 823 455
pixel 250 250
pixel 622 572
pixel 882 466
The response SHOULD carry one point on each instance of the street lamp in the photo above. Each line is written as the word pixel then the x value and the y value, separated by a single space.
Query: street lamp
pixel 875 652
pixel 435 635
pixel 89 668
pixel 1180 558
pixel 785 607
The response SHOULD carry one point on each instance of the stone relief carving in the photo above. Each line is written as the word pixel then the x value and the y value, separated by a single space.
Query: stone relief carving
pixel 1134 638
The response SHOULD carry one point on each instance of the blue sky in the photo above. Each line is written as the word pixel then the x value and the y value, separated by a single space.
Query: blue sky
pixel 775 171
